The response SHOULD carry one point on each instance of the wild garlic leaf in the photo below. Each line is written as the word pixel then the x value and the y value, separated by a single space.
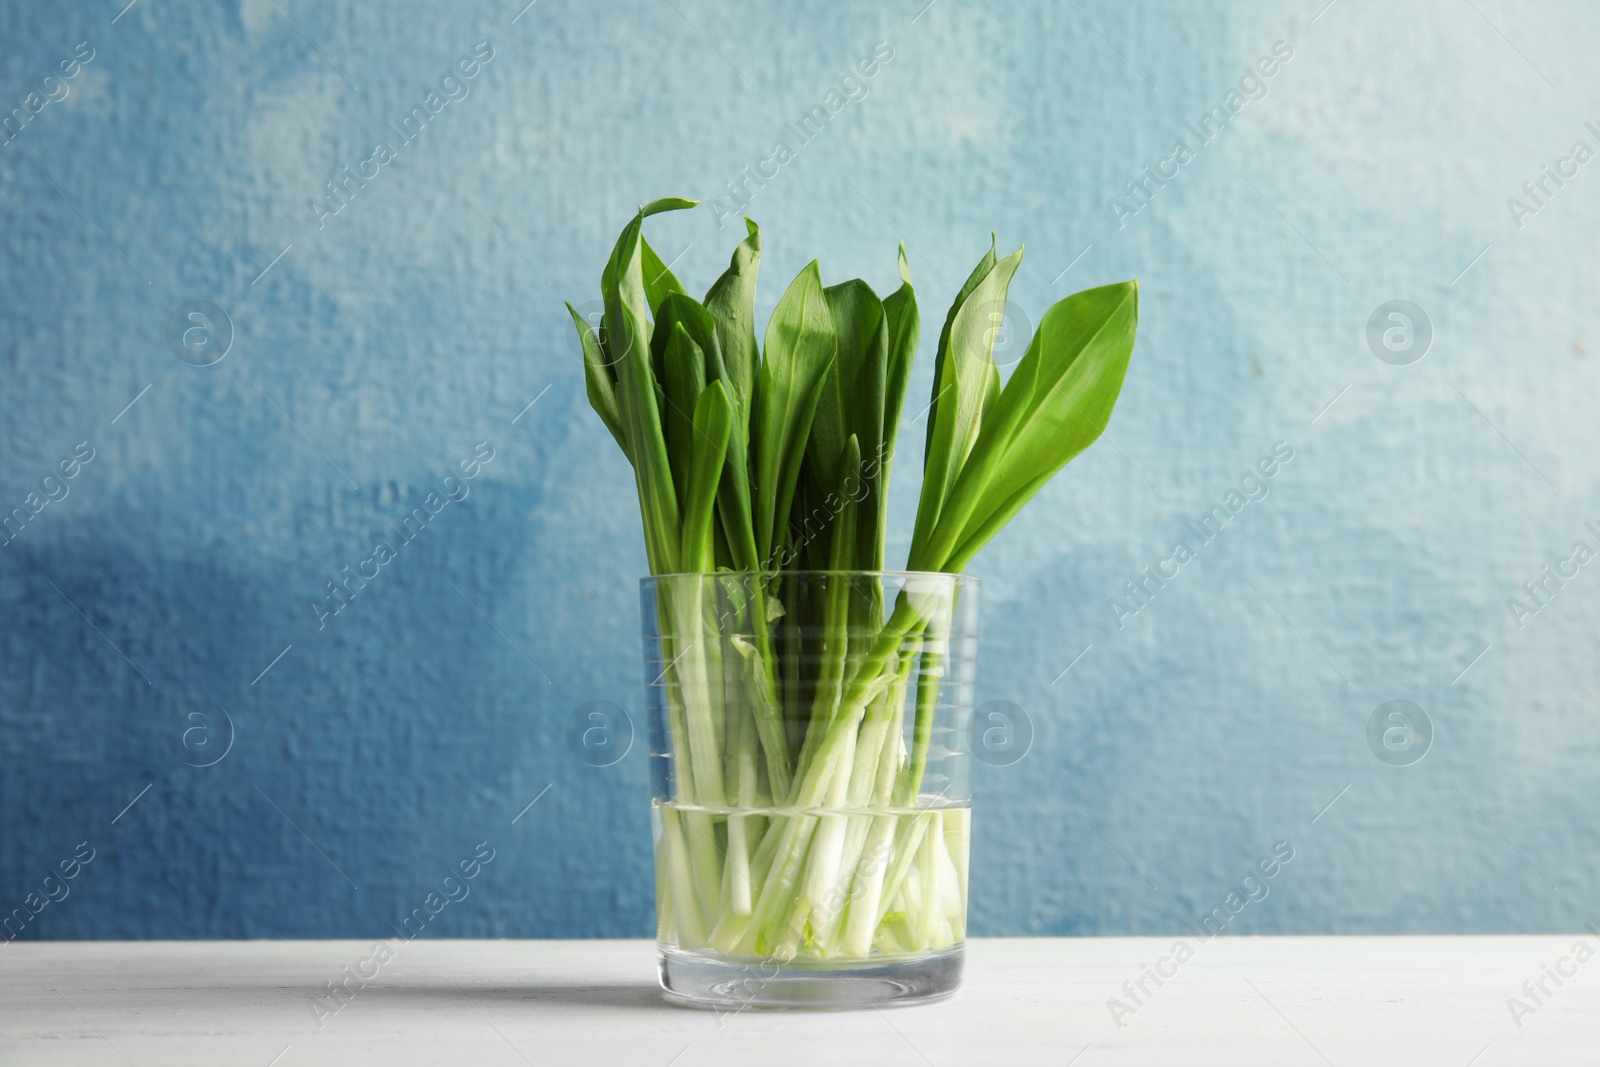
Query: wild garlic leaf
pixel 599 381
pixel 963 380
pixel 659 282
pixel 712 420
pixel 903 326
pixel 732 300
pixel 799 348
pixel 676 309
pixel 704 330
pixel 682 383
pixel 985 265
pixel 624 271
pixel 1056 404
pixel 861 371
pixel 627 339
pixel 851 399
pixel 640 409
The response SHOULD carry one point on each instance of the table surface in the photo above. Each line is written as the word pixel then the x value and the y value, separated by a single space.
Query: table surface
pixel 1237 1000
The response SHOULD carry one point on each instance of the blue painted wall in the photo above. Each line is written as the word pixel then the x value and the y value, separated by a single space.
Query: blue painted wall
pixel 374 347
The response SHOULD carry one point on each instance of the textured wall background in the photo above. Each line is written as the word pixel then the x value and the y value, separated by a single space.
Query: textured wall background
pixel 373 348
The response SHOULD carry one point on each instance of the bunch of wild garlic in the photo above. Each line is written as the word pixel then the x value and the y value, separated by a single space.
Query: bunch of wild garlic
pixel 797 823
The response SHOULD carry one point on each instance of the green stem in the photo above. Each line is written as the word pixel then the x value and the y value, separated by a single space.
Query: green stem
pixel 929 675
pixel 764 688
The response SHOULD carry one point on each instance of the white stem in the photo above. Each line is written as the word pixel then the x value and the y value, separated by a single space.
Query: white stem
pixel 861 921
pixel 699 703
pixel 831 909
pixel 685 899
pixel 738 866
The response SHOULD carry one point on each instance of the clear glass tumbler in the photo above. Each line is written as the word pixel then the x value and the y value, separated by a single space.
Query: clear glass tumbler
pixel 811 779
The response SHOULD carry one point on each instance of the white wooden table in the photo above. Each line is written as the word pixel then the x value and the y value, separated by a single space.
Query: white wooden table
pixel 1354 1001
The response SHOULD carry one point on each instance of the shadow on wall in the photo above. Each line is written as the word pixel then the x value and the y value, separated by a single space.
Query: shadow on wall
pixel 336 790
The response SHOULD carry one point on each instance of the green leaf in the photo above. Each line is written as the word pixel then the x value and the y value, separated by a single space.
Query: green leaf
pixel 856 384
pixel 941 353
pixel 624 271
pixel 713 418
pixel 733 512
pixel 666 203
pixel 852 391
pixel 904 324
pixel 679 309
pixel 732 300
pixel 599 382
pixel 659 282
pixel 682 383
pixel 1056 404
pixel 905 328
pixel 962 379
pixel 626 337
pixel 799 349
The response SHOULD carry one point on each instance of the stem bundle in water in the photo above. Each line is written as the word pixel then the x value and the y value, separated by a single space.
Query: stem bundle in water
pixel 854 857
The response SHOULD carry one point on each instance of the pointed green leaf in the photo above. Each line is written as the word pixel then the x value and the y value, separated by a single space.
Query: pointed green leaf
pixel 940 354
pixel 712 420
pixel 903 326
pixel 682 383
pixel 860 374
pixel 851 400
pixel 681 308
pixel 734 497
pixel 666 203
pixel 962 382
pixel 659 282
pixel 626 336
pixel 675 309
pixel 1056 404
pixel 598 382
pixel 799 349
pixel 732 300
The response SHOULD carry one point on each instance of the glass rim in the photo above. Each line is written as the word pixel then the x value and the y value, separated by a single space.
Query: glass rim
pixel 953 576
